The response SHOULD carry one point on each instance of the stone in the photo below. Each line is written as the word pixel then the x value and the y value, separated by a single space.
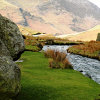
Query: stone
pixel 98 37
pixel 11 47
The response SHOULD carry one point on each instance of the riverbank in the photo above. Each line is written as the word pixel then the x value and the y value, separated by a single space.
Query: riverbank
pixel 39 82
pixel 36 43
pixel 87 66
pixel 88 49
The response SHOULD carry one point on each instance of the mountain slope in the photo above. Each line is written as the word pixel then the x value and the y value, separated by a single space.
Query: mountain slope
pixel 54 16
pixel 88 35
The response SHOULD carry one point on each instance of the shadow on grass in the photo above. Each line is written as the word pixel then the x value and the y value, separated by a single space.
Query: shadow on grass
pixel 36 92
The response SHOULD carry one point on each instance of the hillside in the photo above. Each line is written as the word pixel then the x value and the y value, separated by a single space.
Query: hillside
pixel 56 17
pixel 87 35
pixel 26 30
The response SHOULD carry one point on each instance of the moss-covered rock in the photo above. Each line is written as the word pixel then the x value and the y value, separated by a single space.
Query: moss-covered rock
pixel 10 35
pixel 11 47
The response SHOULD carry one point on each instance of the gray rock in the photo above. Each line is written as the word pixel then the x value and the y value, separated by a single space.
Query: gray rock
pixel 98 37
pixel 11 47
pixel 11 37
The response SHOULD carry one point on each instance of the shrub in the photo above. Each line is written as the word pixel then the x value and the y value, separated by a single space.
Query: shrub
pixel 49 53
pixel 67 65
pixel 53 64
pixel 57 59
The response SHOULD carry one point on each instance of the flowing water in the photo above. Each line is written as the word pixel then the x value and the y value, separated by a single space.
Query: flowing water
pixel 89 67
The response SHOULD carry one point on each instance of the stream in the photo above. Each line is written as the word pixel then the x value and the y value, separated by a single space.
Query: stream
pixel 87 66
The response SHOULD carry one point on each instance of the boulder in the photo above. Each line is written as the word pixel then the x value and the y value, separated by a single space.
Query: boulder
pixel 11 47
pixel 98 37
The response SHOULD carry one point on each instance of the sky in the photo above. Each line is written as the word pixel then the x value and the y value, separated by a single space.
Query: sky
pixel 97 2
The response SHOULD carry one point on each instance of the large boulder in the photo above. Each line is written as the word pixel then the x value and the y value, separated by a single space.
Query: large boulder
pixel 11 47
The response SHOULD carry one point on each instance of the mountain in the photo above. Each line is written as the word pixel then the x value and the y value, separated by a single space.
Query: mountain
pixel 52 16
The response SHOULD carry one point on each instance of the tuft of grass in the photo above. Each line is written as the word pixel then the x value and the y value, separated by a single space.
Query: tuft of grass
pixel 58 59
pixel 42 83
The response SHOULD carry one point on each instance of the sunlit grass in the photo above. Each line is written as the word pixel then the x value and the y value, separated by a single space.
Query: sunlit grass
pixel 39 82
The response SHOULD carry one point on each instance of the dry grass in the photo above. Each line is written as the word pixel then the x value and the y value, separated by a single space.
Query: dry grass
pixel 89 49
pixel 57 59
pixel 49 41
pixel 87 35
pixel 33 44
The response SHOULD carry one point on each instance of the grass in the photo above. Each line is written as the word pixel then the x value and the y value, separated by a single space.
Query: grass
pixel 36 43
pixel 57 59
pixel 89 49
pixel 33 44
pixel 32 48
pixel 39 82
pixel 30 40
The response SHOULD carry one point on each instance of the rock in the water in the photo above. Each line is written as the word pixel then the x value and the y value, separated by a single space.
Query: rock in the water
pixel 11 47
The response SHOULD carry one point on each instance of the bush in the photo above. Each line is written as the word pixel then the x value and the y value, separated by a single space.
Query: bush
pixel 57 59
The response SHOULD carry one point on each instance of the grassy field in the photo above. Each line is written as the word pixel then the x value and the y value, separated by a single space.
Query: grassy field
pixel 39 82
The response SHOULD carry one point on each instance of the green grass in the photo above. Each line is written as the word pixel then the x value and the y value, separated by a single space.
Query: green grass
pixel 39 82
pixel 32 48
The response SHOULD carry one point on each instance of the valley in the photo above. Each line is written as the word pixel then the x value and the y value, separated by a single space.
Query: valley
pixel 49 50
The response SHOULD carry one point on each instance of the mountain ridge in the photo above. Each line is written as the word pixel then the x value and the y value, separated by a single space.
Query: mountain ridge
pixel 56 17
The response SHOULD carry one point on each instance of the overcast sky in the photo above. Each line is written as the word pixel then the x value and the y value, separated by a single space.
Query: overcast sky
pixel 97 2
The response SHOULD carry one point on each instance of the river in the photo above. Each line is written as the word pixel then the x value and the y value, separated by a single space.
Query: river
pixel 87 66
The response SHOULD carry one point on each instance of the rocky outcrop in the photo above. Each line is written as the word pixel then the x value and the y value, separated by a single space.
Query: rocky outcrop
pixel 98 37
pixel 11 47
